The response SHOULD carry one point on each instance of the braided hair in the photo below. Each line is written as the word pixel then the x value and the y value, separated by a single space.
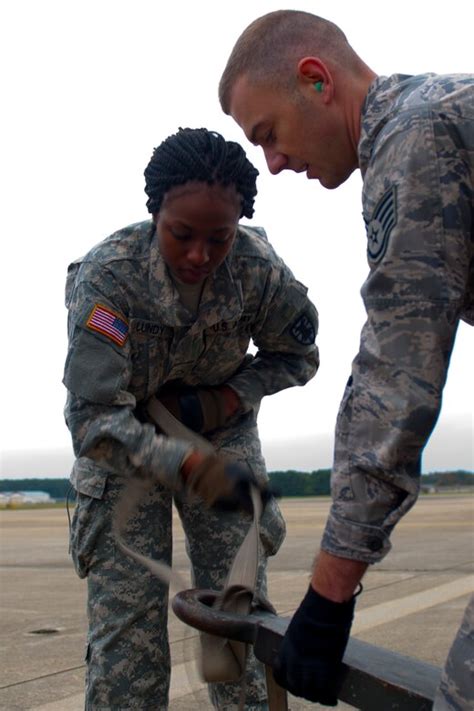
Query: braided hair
pixel 199 154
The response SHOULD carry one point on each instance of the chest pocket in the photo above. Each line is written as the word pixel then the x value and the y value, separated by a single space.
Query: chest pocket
pixel 150 344
pixel 226 344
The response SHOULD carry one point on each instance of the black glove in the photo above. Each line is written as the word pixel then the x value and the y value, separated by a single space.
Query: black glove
pixel 225 484
pixel 309 660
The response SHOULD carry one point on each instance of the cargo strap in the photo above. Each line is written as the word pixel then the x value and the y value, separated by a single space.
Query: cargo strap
pixel 221 659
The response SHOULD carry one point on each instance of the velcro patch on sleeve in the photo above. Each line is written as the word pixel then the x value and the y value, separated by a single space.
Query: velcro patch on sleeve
pixel 383 221
pixel 108 323
pixel 303 330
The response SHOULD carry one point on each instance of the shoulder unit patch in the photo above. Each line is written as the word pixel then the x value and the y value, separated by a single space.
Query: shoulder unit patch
pixel 303 330
pixel 384 219
pixel 108 323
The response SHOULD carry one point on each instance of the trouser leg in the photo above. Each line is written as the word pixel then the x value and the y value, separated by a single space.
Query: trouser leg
pixel 213 539
pixel 456 689
pixel 128 664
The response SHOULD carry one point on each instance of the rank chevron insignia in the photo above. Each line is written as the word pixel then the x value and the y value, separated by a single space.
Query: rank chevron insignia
pixel 384 219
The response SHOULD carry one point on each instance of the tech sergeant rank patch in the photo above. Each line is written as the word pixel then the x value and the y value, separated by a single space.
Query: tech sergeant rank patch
pixel 384 219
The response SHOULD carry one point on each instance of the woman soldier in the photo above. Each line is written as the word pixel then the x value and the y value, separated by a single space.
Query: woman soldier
pixel 167 308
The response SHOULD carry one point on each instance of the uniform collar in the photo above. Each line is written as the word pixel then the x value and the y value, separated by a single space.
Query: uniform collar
pixel 376 111
pixel 221 297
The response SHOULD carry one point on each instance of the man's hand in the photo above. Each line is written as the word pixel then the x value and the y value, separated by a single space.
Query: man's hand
pixel 221 483
pixel 309 660
pixel 202 409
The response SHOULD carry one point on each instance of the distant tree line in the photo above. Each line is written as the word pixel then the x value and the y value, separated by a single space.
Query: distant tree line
pixel 457 478
pixel 293 483
pixel 286 483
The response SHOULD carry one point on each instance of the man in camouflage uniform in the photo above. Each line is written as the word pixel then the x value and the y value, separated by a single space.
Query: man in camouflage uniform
pixel 297 89
pixel 134 332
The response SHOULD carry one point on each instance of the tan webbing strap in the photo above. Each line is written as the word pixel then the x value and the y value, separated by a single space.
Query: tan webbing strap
pixel 168 423
pixel 221 660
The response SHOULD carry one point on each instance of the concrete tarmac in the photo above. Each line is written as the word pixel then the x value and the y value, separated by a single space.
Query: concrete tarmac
pixel 412 601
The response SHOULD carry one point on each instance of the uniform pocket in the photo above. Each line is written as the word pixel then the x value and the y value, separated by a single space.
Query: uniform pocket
pixel 89 478
pixel 91 519
pixel 344 415
pixel 95 369
pixel 226 343
pixel 272 528
pixel 150 348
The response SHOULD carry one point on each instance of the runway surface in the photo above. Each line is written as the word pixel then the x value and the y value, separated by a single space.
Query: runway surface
pixel 412 601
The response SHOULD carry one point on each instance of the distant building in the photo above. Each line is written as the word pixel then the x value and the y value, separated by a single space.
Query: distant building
pixel 429 489
pixel 25 497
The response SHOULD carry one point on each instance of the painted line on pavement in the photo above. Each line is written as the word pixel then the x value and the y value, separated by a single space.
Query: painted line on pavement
pixel 365 619
pixel 402 607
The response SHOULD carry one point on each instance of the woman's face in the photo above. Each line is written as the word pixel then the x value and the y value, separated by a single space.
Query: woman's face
pixel 196 227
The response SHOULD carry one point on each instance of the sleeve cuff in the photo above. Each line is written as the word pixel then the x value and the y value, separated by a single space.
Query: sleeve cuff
pixel 356 541
pixel 167 462
pixel 249 390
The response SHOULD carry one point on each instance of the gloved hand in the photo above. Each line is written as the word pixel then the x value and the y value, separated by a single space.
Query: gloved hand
pixel 309 660
pixel 200 409
pixel 223 484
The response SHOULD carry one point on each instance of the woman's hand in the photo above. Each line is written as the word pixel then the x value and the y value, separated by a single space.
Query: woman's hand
pixel 221 483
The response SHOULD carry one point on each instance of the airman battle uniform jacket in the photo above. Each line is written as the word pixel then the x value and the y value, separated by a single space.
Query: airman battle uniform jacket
pixel 416 155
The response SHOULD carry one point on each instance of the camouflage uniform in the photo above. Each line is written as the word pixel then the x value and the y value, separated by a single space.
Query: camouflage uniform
pixel 129 335
pixel 457 681
pixel 416 155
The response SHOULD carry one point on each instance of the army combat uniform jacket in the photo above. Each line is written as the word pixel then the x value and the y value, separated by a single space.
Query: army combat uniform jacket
pixel 416 155
pixel 129 335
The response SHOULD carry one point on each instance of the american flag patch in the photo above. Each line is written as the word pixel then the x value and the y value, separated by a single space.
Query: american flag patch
pixel 110 324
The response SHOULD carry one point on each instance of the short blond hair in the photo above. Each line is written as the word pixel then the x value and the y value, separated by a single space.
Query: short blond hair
pixel 267 50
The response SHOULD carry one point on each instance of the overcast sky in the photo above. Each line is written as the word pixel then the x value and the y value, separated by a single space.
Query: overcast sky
pixel 89 88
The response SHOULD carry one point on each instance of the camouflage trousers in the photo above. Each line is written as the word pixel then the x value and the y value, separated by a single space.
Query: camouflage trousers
pixel 456 689
pixel 128 658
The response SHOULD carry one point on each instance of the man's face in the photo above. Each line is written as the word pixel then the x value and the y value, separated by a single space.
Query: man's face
pixel 300 133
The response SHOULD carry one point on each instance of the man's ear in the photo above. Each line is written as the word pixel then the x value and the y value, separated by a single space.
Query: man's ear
pixel 314 72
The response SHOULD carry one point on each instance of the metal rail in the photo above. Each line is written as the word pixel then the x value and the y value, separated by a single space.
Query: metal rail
pixel 373 678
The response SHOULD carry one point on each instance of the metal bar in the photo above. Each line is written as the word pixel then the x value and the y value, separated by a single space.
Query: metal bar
pixel 376 678
pixel 276 696
pixel 373 678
